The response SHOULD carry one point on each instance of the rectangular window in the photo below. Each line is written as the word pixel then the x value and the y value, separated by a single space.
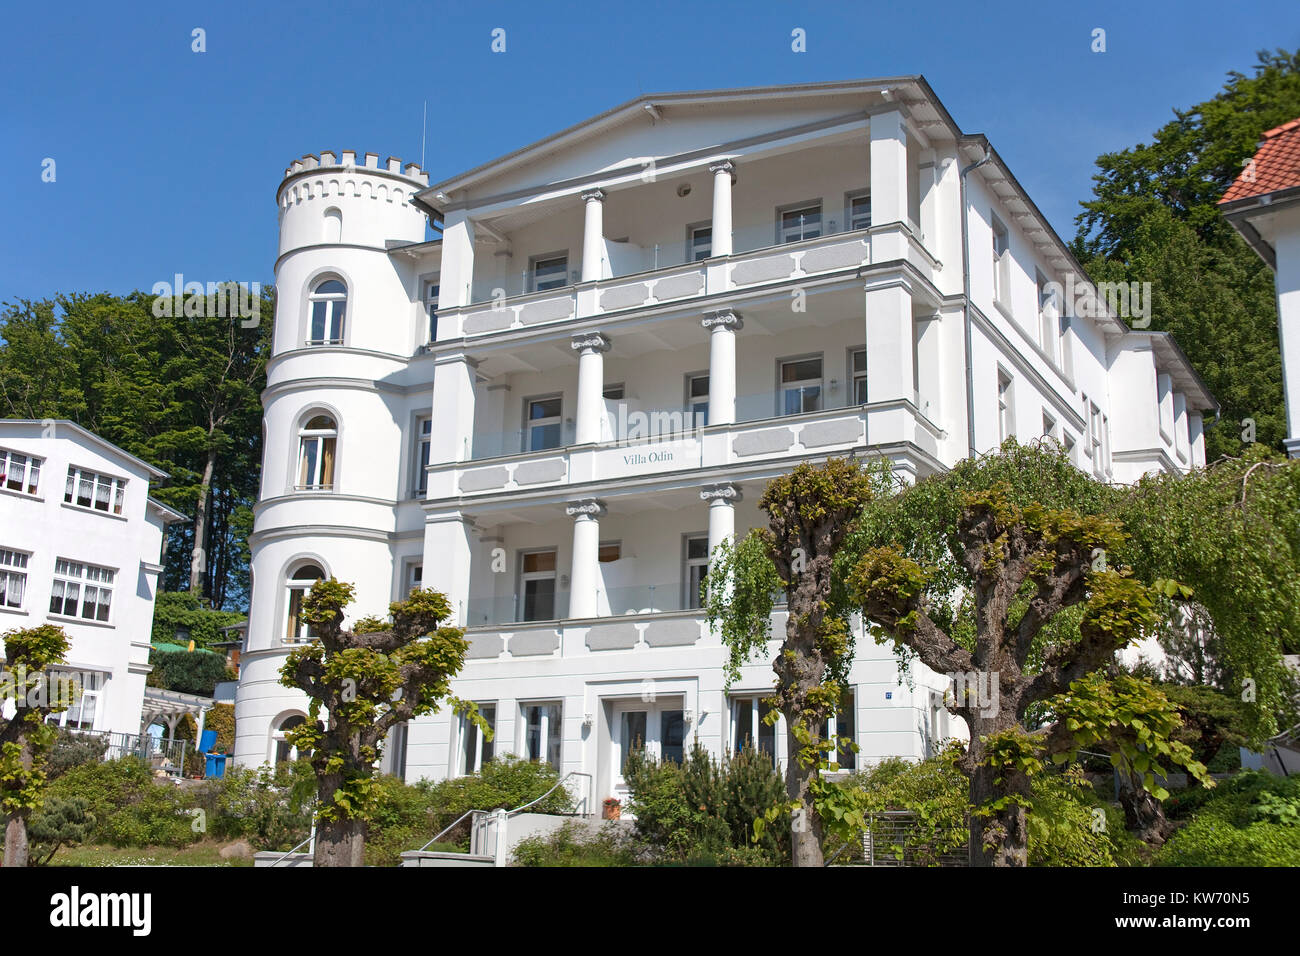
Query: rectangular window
pixel 1069 445
pixel 798 223
pixel 1006 409
pixel 613 392
pixel 13 577
pixel 537 583
pixel 697 399
pixel 1049 426
pixel 549 272
pixel 1048 325
pixel 544 424
pixel 81 714
pixel 699 242
pixel 1094 439
pixel 18 472
pixel 1001 260
pixel 81 590
pixel 801 385
pixel 749 727
pixel 543 732
pixel 842 725
pixel 430 298
pixel 97 492
pixel 414 576
pixel 610 551
pixel 423 443
pixel 858 372
pixel 476 749
pixel 858 211
pixel 695 570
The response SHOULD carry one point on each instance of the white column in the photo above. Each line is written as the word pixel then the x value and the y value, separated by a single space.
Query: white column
pixel 890 339
pixel 457 269
pixel 888 184
pixel 722 364
pixel 722 512
pixel 722 243
pixel 593 235
pixel 590 347
pixel 453 408
pixel 584 575
pixel 1196 438
pixel 447 544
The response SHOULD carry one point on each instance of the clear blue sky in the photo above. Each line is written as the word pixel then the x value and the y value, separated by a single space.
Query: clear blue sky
pixel 168 160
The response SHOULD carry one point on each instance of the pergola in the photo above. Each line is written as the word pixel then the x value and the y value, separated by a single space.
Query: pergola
pixel 169 706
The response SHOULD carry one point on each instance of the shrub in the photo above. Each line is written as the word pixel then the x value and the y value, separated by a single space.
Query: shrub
pixel 503 783
pixel 173 609
pixel 570 846
pixel 1070 826
pixel 401 822
pixel 271 808
pixel 130 808
pixel 703 811
pixel 1252 819
pixel 61 821
pixel 190 673
pixel 72 750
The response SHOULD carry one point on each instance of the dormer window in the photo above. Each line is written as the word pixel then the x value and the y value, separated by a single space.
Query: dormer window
pixel 329 304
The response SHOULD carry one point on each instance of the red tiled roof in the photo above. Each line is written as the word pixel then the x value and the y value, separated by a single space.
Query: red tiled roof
pixel 1276 166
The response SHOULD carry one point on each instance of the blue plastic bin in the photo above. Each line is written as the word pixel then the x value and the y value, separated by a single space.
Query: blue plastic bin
pixel 215 765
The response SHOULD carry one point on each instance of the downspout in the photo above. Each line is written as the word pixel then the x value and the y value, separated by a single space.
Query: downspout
pixel 965 286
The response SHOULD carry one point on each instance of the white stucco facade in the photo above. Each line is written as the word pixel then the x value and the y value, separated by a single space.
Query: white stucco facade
pixel 639 322
pixel 81 547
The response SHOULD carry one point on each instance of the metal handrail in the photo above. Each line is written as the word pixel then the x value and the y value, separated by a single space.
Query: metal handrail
pixel 509 813
pixel 288 853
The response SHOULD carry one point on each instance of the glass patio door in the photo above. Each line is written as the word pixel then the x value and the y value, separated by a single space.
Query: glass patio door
pixel 657 727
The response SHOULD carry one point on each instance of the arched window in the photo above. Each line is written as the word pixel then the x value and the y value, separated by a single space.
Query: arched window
pixel 329 304
pixel 284 751
pixel 300 582
pixel 316 446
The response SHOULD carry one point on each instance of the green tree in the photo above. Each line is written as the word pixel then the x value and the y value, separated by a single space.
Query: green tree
pixel 810 512
pixel 1153 218
pixel 362 683
pixel 25 738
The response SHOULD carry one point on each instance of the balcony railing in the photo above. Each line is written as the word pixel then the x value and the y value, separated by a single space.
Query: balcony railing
pixel 640 254
pixel 516 609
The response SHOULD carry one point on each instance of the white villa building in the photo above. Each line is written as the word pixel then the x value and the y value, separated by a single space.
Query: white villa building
pixel 554 411
pixel 81 546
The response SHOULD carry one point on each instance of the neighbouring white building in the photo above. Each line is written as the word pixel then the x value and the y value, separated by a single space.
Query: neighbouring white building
pixel 555 411
pixel 1264 206
pixel 81 546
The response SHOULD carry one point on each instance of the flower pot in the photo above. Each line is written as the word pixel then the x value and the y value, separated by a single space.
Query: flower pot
pixel 612 810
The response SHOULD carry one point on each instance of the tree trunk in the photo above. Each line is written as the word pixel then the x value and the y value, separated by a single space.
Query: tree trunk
pixel 1002 837
pixel 338 842
pixel 1144 815
pixel 16 848
pixel 806 826
pixel 198 557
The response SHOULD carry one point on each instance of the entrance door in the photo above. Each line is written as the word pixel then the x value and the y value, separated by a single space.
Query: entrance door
pixel 658 727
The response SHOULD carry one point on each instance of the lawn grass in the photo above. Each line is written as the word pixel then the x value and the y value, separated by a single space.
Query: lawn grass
pixel 207 853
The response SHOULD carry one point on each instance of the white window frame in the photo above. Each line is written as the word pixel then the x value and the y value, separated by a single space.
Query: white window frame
pixel 754 731
pixel 798 232
pixel 550 731
pixel 421 454
pixel 536 284
pixel 93 689
pixel 429 294
pixel 475 749
pixel 801 385
pixel 846 759
pixel 697 406
pixel 1048 324
pixel 27 469
pixel 526 576
pixel 412 577
pixel 13 578
pixel 334 312
pixel 531 423
pixel 690 592
pixel 1006 405
pixel 857 376
pixel 1049 424
pixel 694 244
pixel 1001 260
pixel 296 587
pixel 852 219
pixel 92 582
pixel 109 489
pixel 322 438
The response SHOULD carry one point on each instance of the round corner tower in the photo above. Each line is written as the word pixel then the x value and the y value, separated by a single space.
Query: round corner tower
pixel 336 470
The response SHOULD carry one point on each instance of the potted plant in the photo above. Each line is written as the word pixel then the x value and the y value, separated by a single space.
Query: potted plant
pixel 613 809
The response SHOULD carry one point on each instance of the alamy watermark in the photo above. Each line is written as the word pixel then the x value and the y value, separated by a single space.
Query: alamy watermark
pixel 979 690
pixel 1128 300
pixel 56 690
pixel 216 300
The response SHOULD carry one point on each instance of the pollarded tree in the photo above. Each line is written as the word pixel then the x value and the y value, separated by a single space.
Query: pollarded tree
pixel 1000 575
pixel 25 738
pixel 810 510
pixel 362 683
